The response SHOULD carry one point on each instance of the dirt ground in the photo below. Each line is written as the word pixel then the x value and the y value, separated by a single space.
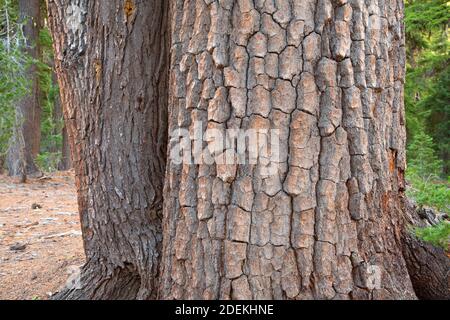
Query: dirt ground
pixel 40 237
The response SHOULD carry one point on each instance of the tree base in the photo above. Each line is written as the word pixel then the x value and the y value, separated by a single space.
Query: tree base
pixel 96 282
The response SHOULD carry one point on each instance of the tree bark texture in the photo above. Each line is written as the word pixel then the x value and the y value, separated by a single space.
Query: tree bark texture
pixel 112 69
pixel 21 155
pixel 329 75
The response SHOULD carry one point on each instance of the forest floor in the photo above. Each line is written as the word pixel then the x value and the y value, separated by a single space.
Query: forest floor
pixel 40 237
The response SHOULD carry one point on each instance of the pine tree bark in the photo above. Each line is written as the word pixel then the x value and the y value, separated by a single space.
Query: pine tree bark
pixel 329 224
pixel 329 75
pixel 111 65
pixel 25 144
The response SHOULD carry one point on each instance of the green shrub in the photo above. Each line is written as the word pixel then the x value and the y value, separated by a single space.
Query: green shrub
pixel 423 174
pixel 438 235
pixel 435 194
pixel 48 161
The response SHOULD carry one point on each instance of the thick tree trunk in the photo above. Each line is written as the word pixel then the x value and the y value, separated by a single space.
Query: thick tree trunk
pixel 25 143
pixel 111 65
pixel 428 266
pixel 327 225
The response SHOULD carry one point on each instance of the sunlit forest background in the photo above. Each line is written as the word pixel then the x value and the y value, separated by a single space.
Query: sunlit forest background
pixel 427 99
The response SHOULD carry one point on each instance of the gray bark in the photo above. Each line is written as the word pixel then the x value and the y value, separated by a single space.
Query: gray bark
pixel 112 75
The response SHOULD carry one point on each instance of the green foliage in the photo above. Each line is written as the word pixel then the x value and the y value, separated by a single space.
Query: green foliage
pixel 438 235
pixel 12 87
pixel 48 161
pixel 427 189
pixel 13 62
pixel 427 96
pixel 431 193
pixel 438 124
pixel 427 101
pixel 423 161
pixel 424 16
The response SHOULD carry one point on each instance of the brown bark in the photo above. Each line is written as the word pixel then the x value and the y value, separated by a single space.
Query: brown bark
pixel 25 144
pixel 428 266
pixel 66 158
pixel 111 66
pixel 329 75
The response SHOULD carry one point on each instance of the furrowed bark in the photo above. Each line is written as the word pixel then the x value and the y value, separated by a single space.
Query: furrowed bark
pixel 329 75
pixel 111 66
pixel 25 143
pixel 327 225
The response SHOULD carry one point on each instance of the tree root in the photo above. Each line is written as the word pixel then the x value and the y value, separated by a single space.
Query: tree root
pixel 95 282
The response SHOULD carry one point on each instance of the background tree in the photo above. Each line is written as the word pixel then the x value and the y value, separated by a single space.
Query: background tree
pixel 25 143
pixel 54 152
pixel 13 81
pixel 427 98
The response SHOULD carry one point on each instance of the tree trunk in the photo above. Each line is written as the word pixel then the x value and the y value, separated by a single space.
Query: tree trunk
pixel 111 65
pixel 66 158
pixel 29 109
pixel 328 223
pixel 320 217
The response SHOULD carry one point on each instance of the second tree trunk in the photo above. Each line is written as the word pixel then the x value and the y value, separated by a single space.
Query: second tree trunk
pixel 111 64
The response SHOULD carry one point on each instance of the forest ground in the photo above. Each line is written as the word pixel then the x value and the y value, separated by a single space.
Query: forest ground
pixel 39 247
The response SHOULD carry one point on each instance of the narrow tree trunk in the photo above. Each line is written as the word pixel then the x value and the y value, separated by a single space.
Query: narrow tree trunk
pixel 111 65
pixel 66 158
pixel 329 76
pixel 29 109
